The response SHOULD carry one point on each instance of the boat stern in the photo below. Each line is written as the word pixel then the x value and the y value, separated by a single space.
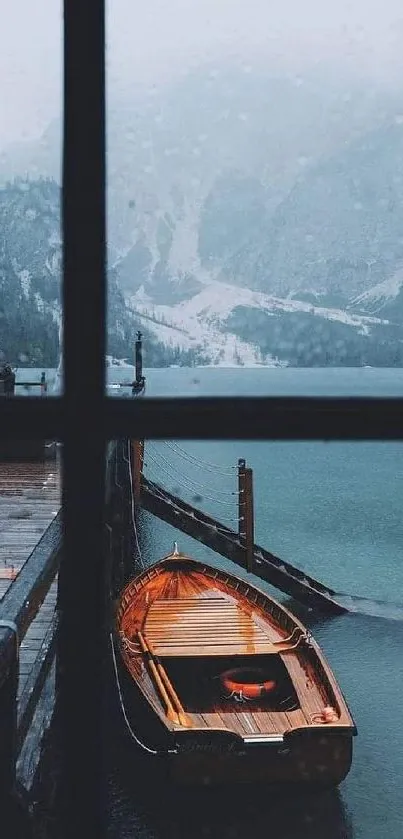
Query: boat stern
pixel 306 758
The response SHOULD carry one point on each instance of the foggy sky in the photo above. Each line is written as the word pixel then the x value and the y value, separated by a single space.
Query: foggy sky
pixel 150 41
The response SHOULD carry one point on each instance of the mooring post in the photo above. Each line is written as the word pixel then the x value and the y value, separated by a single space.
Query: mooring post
pixel 138 357
pixel 241 500
pixel 245 511
pixel 138 384
pixel 8 707
pixel 7 380
pixel 14 813
pixel 249 519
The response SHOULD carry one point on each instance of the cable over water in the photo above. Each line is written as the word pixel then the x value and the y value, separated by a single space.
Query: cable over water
pixel 199 462
pixel 163 464
pixel 196 481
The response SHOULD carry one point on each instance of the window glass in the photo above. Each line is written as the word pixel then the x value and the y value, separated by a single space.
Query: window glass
pixel 330 512
pixel 254 192
pixel 30 179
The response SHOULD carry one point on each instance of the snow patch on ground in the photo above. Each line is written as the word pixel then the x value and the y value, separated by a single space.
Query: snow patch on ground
pixel 186 325
pixel 25 279
pixel 111 361
pixel 379 294
pixel 183 257
pixel 200 320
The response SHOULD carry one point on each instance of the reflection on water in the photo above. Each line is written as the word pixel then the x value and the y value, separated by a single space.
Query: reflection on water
pixel 140 803
pixel 365 654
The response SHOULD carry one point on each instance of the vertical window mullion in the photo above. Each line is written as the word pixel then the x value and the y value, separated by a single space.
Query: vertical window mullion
pixel 84 292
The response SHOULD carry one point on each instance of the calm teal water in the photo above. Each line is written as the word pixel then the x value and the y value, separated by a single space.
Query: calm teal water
pixel 336 511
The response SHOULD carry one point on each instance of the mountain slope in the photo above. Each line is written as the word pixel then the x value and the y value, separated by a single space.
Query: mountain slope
pixel 252 219
pixel 29 273
pixel 30 284
pixel 233 326
pixel 172 149
pixel 341 227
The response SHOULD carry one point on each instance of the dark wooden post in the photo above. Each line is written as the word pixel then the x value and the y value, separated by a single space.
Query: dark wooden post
pixel 8 708
pixel 14 812
pixel 44 384
pixel 138 358
pixel 138 384
pixel 82 634
pixel 245 515
pixel 241 502
pixel 249 519
pixel 7 380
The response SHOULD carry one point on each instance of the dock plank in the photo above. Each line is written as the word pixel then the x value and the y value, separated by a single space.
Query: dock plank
pixel 30 499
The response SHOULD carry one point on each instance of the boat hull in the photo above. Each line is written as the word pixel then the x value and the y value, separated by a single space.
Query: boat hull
pixel 306 758
pixel 320 762
pixel 179 628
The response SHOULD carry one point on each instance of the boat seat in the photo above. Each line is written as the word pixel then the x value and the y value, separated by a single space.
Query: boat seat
pixel 205 626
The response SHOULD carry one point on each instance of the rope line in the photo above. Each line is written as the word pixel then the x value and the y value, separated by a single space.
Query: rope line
pixel 161 493
pixel 194 464
pixel 198 484
pixel 195 482
pixel 199 462
pixel 123 709
pixel 174 476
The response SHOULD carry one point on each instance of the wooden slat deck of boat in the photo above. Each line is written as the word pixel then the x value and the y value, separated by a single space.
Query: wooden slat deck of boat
pixel 30 497
pixel 206 626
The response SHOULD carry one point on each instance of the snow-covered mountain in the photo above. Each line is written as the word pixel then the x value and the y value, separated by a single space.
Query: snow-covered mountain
pixel 30 284
pixel 216 322
pixel 252 219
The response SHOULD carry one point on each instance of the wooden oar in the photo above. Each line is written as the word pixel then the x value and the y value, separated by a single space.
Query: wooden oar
pixel 170 712
pixel 183 719
pixel 164 685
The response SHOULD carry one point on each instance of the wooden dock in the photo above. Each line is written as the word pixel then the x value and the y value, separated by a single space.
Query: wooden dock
pixel 30 499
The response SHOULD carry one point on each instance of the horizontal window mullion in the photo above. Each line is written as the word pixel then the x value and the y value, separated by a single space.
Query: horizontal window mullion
pixel 271 418
pixel 276 418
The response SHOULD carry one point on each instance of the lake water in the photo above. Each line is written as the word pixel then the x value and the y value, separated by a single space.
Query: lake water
pixel 335 510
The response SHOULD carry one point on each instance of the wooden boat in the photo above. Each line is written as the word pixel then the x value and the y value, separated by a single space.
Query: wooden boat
pixel 225 682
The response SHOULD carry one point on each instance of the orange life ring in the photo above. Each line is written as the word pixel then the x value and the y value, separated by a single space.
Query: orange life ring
pixel 247 683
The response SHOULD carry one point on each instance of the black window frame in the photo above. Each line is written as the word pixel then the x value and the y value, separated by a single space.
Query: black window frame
pixel 83 417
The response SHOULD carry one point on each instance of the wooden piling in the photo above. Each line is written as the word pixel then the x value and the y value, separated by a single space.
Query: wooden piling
pixel 245 512
pixel 138 358
pixel 241 500
pixel 139 381
pixel 249 520
pixel 8 708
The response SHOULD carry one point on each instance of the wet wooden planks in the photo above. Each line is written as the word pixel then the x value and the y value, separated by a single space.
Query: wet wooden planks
pixel 30 497
pixel 34 638
pixel 205 626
